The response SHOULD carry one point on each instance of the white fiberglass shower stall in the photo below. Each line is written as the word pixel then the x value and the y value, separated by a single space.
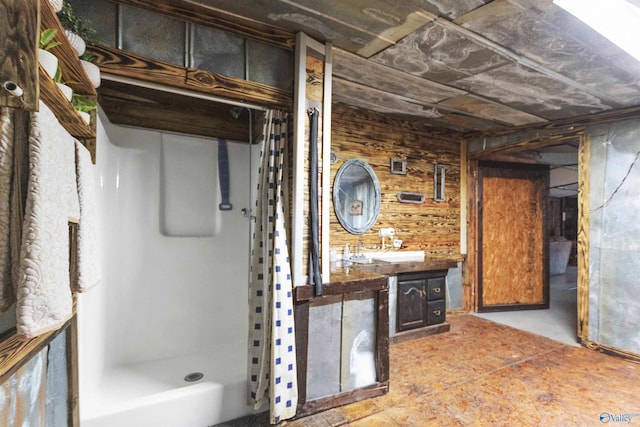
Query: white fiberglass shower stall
pixel 163 338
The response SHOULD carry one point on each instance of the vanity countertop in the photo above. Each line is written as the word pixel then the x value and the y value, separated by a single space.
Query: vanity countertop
pixel 393 268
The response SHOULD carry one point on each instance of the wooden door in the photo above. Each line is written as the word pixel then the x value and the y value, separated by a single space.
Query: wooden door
pixel 513 242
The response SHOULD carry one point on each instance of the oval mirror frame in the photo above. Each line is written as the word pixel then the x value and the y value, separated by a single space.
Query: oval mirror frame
pixel 348 205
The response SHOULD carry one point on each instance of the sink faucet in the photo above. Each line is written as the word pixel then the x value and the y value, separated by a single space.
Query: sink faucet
pixel 359 247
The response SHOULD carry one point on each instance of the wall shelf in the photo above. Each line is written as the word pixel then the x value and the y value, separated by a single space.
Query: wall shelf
pixel 62 108
pixel 72 70
pixel 74 74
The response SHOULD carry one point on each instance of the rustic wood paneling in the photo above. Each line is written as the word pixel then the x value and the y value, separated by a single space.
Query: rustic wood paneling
pixel 432 226
pixel 19 32
pixel 130 65
pixel 584 160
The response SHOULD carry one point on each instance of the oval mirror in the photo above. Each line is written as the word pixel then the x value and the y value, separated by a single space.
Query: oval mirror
pixel 356 196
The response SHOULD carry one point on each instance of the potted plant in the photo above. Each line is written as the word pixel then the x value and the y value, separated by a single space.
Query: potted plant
pixel 91 69
pixel 77 30
pixel 56 5
pixel 84 105
pixel 64 88
pixel 47 59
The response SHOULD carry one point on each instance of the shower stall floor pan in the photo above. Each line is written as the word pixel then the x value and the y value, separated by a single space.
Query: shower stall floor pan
pixel 156 394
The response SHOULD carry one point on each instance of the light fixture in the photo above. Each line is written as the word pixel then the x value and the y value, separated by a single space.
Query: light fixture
pixel 617 20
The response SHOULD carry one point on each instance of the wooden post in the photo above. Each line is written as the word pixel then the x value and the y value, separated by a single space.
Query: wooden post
pixel 583 236
pixel 19 35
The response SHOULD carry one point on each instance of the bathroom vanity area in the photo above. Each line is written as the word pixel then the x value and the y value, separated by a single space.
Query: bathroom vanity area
pixel 343 335
pixel 417 296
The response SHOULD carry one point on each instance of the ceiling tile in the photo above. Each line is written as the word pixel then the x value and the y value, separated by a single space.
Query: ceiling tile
pixel 527 90
pixel 439 54
pixel 490 110
pixel 538 31
pixel 356 69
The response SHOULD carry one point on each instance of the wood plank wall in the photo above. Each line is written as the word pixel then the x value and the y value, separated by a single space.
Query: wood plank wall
pixel 432 226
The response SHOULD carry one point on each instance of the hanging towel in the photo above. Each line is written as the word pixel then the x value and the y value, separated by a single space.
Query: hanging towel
pixel 44 299
pixel 6 171
pixel 88 253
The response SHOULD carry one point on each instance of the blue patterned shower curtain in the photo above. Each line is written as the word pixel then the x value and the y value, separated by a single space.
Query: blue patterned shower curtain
pixel 272 350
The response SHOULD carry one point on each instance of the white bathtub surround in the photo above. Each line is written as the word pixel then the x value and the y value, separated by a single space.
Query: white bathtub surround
pixel 168 304
pixel 89 270
pixel 6 172
pixel 272 354
pixel 43 291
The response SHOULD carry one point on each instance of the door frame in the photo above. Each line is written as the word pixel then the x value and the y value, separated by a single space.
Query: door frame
pixel 545 239
pixel 503 153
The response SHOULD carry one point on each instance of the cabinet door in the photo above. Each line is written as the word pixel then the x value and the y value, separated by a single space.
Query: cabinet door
pixel 412 307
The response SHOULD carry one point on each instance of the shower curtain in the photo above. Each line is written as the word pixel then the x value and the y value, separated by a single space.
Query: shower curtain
pixel 272 352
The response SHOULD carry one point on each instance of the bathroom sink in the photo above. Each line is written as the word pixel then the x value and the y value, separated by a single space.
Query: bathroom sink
pixel 361 259
pixel 396 256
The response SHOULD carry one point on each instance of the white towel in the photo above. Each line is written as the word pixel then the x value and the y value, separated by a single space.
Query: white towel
pixel 88 246
pixel 44 299
pixel 6 171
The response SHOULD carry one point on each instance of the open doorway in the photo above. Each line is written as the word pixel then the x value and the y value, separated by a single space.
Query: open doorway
pixel 559 321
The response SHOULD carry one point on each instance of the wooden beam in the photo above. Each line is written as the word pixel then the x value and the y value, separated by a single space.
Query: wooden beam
pixel 132 105
pixel 217 18
pixel 137 67
pixel 526 145
pixel 584 170
pixel 16 351
pixel 563 125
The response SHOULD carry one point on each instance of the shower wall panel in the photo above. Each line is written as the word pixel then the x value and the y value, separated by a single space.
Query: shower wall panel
pixel 162 296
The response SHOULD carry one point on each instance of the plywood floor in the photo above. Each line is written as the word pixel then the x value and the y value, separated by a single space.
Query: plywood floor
pixel 482 373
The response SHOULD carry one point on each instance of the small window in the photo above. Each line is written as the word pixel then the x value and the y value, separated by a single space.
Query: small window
pixel 270 65
pixel 153 35
pixel 102 16
pixel 216 51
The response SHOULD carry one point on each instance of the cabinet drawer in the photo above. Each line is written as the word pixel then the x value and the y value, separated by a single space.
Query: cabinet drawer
pixel 435 288
pixel 436 311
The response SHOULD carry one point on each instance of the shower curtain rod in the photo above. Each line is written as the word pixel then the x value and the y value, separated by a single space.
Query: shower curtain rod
pixel 184 92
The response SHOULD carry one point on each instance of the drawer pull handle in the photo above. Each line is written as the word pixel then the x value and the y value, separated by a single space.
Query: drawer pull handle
pixel 436 290
pixel 436 312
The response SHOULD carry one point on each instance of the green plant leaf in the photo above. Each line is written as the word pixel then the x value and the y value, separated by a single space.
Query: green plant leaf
pixel 83 103
pixel 71 22
pixel 47 39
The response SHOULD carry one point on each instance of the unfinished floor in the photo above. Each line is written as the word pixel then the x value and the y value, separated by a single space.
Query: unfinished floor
pixel 483 373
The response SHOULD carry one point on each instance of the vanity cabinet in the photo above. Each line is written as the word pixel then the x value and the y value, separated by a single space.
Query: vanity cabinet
pixel 420 299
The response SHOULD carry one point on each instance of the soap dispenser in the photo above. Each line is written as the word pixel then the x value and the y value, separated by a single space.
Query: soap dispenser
pixel 347 254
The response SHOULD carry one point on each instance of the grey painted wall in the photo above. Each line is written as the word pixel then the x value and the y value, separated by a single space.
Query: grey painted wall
pixel 614 251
